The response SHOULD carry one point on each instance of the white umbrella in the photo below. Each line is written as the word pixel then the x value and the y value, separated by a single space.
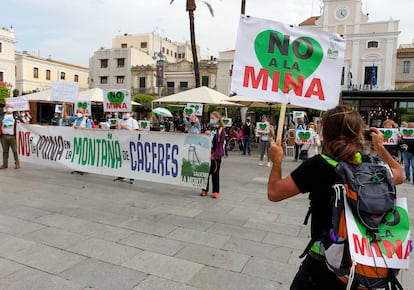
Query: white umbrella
pixel 203 95
pixel 162 111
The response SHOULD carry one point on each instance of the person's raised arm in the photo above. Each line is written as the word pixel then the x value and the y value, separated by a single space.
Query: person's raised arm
pixel 377 141
pixel 279 188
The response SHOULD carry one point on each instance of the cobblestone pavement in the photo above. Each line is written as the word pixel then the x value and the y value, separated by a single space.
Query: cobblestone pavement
pixel 65 231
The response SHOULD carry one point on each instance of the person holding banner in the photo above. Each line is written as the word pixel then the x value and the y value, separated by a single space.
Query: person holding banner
pixel 80 120
pixel 218 135
pixel 342 135
pixel 8 136
pixel 128 123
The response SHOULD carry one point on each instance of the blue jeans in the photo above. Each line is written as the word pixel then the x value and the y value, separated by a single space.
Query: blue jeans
pixel 408 159
pixel 247 145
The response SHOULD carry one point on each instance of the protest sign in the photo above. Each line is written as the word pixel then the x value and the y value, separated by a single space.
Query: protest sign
pixel 179 159
pixel 282 63
pixel 64 92
pixel 117 101
pixel 19 103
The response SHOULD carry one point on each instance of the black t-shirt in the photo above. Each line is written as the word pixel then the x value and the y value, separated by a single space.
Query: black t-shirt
pixel 316 176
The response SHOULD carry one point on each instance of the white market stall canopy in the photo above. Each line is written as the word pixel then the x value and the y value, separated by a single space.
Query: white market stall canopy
pixel 202 95
pixel 92 95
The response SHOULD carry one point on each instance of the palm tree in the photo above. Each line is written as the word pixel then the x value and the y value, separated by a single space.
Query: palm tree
pixel 191 7
pixel 243 7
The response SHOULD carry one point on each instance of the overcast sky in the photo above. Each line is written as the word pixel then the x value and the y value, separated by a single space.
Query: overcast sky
pixel 72 30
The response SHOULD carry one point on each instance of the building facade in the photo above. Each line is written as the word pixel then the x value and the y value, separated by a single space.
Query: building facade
pixel 7 63
pixel 111 68
pixel 176 77
pixel 154 45
pixel 405 67
pixel 371 47
pixel 35 74
pixel 148 64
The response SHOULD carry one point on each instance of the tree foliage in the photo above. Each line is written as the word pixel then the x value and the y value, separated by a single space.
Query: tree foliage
pixel 145 101
pixel 4 93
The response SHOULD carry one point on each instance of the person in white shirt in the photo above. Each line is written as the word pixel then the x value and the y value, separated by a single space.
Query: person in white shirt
pixel 128 123
pixel 8 137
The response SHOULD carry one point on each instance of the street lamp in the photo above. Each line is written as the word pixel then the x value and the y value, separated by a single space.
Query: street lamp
pixel 9 88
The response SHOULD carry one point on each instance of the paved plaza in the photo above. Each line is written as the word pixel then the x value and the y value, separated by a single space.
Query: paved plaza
pixel 65 231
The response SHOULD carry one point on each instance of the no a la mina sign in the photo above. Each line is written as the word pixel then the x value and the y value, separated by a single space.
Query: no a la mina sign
pixel 117 101
pixel 277 62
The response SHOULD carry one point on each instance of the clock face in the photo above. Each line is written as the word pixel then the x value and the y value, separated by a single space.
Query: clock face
pixel 341 13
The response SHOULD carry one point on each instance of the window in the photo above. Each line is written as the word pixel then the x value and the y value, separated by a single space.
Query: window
pixel 168 51
pixel 142 82
pixel 48 74
pixel 124 45
pixel 179 55
pixel 1 76
pixel 120 62
pixel 183 85
pixel 371 73
pixel 36 72
pixel 1 47
pixel 373 44
pixel 204 81
pixel 62 76
pixel 170 87
pixel 76 78
pixel 175 55
pixel 104 80
pixel 104 63
pixel 144 45
pixel 183 55
pixel 120 79
pixel 163 50
pixel 406 66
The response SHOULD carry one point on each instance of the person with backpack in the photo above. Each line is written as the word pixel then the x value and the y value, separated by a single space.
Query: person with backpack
pixel 343 142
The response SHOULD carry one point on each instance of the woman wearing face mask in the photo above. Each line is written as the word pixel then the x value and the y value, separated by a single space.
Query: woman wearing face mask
pixel 315 147
pixel 193 126
pixel 218 135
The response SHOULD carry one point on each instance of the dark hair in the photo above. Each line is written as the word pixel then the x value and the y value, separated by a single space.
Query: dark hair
pixel 342 133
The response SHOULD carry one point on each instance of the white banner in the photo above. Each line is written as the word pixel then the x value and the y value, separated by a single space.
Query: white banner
pixel 117 101
pixel 393 250
pixel 19 103
pixel 64 92
pixel 180 159
pixel 281 63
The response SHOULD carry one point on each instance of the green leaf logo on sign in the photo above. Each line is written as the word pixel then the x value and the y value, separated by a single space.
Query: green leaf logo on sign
pixel 263 126
pixel 277 53
pixel 407 132
pixel 387 134
pixel 225 121
pixel 143 125
pixel 188 111
pixel 304 135
pixel 116 97
pixel 83 105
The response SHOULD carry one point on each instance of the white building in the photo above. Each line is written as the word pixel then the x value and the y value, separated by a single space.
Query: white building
pixel 7 64
pixel 371 47
pixel 111 68
pixel 131 62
